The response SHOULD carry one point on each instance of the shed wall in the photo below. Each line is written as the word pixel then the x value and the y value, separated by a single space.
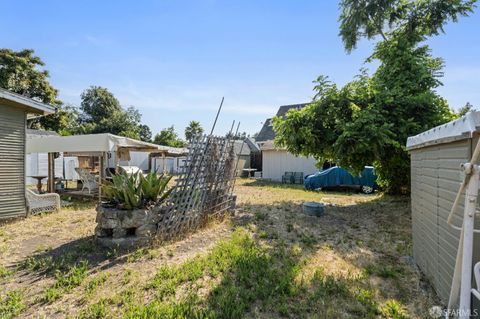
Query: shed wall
pixel 12 162
pixel 435 180
pixel 276 162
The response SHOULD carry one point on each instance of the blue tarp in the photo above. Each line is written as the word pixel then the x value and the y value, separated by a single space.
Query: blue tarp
pixel 336 176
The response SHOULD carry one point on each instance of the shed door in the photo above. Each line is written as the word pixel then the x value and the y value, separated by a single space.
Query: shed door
pixel 12 167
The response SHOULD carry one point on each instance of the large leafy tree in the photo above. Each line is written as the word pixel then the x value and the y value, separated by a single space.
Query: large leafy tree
pixel 368 120
pixel 388 18
pixel 193 129
pixel 101 112
pixel 22 72
pixel 168 137
pixel 145 133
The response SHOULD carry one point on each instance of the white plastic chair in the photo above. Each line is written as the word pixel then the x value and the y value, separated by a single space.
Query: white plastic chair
pixel 88 179
pixel 42 203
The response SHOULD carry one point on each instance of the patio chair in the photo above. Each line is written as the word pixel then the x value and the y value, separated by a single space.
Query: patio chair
pixel 88 179
pixel 298 177
pixel 42 203
pixel 287 178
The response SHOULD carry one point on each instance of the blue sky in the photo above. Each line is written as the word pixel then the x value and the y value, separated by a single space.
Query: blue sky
pixel 174 60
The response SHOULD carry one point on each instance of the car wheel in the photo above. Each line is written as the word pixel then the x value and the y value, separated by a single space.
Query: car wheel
pixel 367 189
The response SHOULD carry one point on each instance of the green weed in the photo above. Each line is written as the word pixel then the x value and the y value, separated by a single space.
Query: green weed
pixel 393 309
pixel 4 272
pixel 384 271
pixel 11 305
pixel 65 282
pixel 97 310
pixel 96 282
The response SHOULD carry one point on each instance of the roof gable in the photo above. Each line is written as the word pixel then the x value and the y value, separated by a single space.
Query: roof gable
pixel 267 133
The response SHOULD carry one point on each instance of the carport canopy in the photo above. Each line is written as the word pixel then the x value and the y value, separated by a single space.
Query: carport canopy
pixel 94 143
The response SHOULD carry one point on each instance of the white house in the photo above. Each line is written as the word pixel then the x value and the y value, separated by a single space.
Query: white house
pixel 277 161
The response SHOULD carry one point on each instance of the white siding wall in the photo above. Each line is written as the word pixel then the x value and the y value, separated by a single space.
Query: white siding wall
pixel 276 162
pixel 139 159
pixel 172 164
pixel 37 164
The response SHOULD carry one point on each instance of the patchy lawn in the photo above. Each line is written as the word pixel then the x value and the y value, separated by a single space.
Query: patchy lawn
pixel 267 261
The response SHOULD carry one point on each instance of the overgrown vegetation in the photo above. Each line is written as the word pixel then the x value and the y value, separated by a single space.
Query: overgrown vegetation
pixel 268 261
pixel 368 120
pixel 136 190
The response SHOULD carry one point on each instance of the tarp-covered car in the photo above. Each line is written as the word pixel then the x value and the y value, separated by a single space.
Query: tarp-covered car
pixel 339 177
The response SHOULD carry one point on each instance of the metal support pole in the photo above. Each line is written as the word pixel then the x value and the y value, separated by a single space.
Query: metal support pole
pixel 468 225
pixel 51 173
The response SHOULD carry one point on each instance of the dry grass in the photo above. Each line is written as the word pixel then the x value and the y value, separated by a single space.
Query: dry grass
pixel 267 261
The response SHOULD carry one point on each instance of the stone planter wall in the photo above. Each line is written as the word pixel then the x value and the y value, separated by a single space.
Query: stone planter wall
pixel 118 228
pixel 123 228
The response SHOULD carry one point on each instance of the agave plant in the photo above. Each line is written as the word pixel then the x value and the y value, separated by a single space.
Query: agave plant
pixel 154 186
pixel 135 190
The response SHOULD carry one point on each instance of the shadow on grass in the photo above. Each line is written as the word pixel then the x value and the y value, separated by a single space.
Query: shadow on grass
pixel 273 284
pixel 265 275
pixel 83 251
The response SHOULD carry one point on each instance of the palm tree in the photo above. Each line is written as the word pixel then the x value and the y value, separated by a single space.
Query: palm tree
pixel 193 129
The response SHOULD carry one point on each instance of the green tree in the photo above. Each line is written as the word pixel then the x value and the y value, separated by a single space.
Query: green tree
pixel 22 72
pixel 369 119
pixel 168 137
pixel 145 133
pixel 98 104
pixel 101 112
pixel 193 129
pixel 388 18
pixel 238 136
pixel 465 109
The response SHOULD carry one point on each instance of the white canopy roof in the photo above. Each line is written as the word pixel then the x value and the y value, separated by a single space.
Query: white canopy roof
pixel 461 128
pixel 90 143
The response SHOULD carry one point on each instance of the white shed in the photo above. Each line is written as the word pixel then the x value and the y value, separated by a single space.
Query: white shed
pixel 277 161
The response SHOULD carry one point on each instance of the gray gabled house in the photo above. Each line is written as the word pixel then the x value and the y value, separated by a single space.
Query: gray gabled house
pixel 14 111
pixel 276 161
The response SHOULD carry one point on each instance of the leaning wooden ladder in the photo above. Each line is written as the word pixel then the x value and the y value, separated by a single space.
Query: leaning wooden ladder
pixel 461 289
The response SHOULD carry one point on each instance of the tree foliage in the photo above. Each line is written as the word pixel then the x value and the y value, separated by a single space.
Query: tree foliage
pixel 387 18
pixel 465 109
pixel 101 112
pixel 367 121
pixel 22 72
pixel 239 136
pixel 168 137
pixel 193 129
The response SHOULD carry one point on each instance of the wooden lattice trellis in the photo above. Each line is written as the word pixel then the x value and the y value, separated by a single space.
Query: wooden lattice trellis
pixel 204 188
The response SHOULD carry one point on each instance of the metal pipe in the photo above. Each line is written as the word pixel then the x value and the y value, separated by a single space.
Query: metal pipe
pixel 468 225
pixel 216 117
